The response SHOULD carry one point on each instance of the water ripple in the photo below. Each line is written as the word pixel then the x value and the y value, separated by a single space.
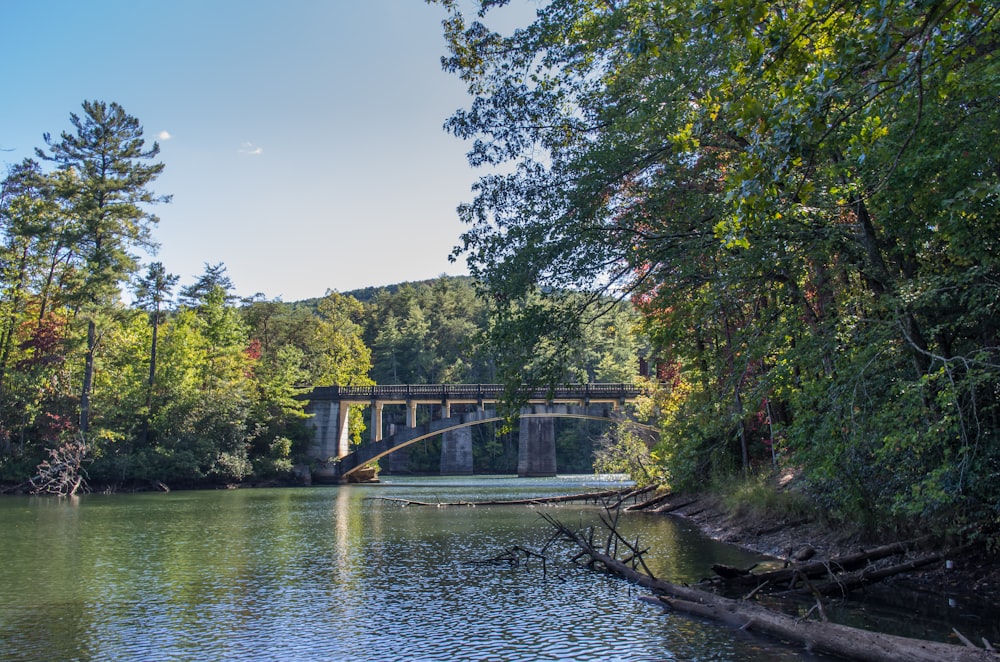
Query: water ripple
pixel 328 574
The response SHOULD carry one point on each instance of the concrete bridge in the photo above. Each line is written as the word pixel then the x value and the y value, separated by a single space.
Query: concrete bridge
pixel 330 407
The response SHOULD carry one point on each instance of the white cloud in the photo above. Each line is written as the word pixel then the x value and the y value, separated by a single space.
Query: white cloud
pixel 250 149
pixel 163 135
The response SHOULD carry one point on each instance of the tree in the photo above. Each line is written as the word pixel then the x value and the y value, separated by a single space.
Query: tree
pixel 24 214
pixel 107 202
pixel 787 191
pixel 214 276
pixel 152 291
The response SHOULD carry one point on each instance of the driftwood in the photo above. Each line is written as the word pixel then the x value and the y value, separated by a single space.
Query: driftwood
pixel 512 557
pixel 652 502
pixel 633 494
pixel 62 474
pixel 819 569
pixel 596 497
pixel 731 572
pixel 826 637
pixel 671 507
pixel 844 584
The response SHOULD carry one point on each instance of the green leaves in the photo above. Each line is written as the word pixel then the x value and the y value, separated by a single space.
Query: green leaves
pixel 774 185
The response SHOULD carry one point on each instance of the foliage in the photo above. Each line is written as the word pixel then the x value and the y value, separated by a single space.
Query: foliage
pixel 104 198
pixel 624 451
pixel 757 496
pixel 197 393
pixel 800 199
pixel 427 333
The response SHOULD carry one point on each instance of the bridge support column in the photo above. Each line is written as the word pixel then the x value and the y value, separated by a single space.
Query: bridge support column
pixel 324 422
pixel 456 452
pixel 376 421
pixel 332 437
pixel 343 429
pixel 536 447
pixel 411 413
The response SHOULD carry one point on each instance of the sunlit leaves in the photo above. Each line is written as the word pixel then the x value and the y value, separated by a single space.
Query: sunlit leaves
pixel 774 184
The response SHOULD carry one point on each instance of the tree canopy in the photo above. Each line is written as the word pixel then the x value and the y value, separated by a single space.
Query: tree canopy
pixel 801 198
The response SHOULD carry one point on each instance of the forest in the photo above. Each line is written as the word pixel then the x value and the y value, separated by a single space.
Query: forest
pixel 788 209
pixel 116 367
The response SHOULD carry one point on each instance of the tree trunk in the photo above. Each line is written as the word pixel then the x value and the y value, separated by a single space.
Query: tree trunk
pixel 152 376
pixel 88 376
pixel 825 568
pixel 882 283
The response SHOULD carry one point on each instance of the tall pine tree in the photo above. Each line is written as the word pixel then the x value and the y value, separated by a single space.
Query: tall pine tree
pixel 108 204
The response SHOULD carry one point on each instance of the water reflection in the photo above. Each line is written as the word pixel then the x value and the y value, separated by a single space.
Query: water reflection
pixel 336 574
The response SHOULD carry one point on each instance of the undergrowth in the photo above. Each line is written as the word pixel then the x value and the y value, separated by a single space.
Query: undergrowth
pixel 763 496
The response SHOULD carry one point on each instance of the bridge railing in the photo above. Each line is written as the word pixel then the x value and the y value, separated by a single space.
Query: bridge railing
pixel 474 392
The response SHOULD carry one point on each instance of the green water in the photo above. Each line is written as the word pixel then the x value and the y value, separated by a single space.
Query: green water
pixel 337 573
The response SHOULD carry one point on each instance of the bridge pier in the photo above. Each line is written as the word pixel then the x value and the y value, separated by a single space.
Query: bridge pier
pixel 332 425
pixel 536 446
pixel 376 421
pixel 456 452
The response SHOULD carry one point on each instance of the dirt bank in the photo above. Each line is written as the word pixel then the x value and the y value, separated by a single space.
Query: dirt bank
pixel 974 574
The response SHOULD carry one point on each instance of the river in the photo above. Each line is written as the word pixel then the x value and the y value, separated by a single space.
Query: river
pixel 339 573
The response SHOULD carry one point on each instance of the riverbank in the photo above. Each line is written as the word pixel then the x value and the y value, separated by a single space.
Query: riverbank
pixel 972 576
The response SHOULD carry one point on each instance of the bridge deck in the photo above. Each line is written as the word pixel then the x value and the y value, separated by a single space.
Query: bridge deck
pixel 473 393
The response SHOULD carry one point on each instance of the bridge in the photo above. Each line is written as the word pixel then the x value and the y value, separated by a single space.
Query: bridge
pixel 330 408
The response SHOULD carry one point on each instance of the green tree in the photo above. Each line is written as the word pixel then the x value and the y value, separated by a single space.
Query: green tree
pixel 25 214
pixel 204 429
pixel 107 202
pixel 213 276
pixel 152 291
pixel 788 192
pixel 428 332
pixel 35 263
pixel 301 347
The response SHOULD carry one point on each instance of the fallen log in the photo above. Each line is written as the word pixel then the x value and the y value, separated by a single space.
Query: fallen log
pixel 585 496
pixel 731 572
pixel 844 584
pixel 651 502
pixel 633 494
pixel 826 568
pixel 826 637
pixel 671 507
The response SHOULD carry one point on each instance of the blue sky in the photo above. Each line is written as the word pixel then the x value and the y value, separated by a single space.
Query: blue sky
pixel 302 140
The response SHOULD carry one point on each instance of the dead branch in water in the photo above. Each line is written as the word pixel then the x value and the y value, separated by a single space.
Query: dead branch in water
pixel 512 556
pixel 827 637
pixel 844 584
pixel 826 568
pixel 596 497
pixel 62 474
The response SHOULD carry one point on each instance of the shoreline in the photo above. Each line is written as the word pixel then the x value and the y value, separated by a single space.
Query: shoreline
pixel 974 575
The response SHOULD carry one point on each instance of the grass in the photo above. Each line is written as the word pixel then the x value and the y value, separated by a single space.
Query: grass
pixel 762 496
